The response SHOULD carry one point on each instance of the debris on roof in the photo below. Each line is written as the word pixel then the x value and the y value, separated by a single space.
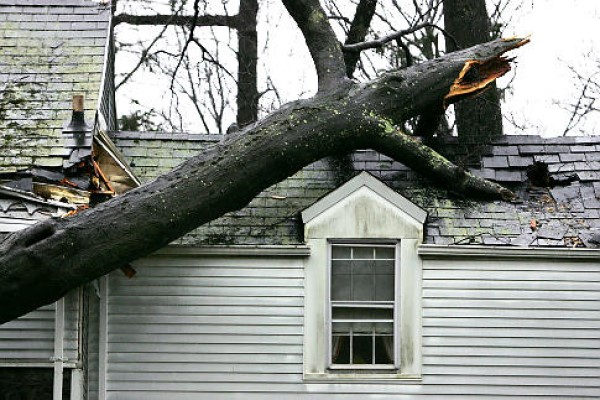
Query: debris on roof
pixel 52 51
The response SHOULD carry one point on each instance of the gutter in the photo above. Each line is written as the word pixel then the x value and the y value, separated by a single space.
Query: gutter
pixel 430 251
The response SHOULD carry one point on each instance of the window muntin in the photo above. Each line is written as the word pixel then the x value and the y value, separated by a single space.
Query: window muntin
pixel 362 306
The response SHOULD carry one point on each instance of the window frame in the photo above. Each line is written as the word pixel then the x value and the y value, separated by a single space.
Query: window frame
pixel 394 368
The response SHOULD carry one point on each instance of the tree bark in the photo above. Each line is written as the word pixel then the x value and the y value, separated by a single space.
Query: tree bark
pixel 40 264
pixel 365 10
pixel 247 96
pixel 478 120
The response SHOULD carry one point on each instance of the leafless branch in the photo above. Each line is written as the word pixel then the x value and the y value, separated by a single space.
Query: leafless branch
pixel 378 43
pixel 177 20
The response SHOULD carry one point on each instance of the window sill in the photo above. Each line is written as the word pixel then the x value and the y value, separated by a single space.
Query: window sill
pixel 361 377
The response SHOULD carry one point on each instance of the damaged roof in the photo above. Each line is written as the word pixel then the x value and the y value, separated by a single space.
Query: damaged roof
pixel 557 180
pixel 49 51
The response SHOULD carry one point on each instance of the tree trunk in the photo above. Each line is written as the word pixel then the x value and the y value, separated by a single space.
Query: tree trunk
pixel 40 264
pixel 478 120
pixel 247 96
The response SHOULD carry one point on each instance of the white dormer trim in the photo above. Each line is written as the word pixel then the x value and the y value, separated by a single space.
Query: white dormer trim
pixel 364 179
pixel 363 211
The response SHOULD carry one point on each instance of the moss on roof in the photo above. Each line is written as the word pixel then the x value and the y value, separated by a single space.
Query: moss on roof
pixel 49 51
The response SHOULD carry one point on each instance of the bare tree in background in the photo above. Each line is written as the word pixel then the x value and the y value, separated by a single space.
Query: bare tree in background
pixel 478 120
pixel 207 82
pixel 199 70
pixel 587 103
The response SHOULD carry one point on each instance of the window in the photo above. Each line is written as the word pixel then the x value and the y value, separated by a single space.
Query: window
pixel 362 307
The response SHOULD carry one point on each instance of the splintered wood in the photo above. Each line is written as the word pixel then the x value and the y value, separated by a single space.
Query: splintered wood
pixel 476 76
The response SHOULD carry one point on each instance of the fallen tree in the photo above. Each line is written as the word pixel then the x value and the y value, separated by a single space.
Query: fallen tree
pixel 40 264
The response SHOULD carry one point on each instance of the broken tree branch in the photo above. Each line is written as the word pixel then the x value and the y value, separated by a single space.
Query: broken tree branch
pixel 40 264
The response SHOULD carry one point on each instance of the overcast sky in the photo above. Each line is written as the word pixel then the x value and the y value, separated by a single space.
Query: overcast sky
pixel 562 33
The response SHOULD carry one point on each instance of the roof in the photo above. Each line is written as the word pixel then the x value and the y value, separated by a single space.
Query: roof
pixel 49 51
pixel 565 213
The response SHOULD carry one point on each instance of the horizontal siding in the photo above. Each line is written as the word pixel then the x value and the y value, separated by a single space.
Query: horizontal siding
pixel 182 321
pixel 30 338
pixel 513 327
pixel 218 328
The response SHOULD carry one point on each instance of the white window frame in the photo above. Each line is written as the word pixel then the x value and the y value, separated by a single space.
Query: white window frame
pixel 395 367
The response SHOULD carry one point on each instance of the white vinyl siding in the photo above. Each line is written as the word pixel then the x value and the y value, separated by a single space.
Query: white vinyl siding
pixel 197 324
pixel 30 338
pixel 231 328
pixel 513 326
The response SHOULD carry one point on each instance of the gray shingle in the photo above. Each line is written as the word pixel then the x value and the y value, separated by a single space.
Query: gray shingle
pixel 509 176
pixel 505 150
pixel 519 161
pixel 531 149
pixel 583 148
pixel 547 158
pixel 566 157
pixel 495 162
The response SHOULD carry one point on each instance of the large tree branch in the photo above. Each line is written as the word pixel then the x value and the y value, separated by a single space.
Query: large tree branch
pixel 321 41
pixel 40 264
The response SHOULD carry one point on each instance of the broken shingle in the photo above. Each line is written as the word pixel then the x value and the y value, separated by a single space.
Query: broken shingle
pixel 565 194
pixel 553 230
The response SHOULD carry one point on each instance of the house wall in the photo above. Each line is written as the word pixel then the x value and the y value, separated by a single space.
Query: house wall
pixel 29 340
pixel 222 327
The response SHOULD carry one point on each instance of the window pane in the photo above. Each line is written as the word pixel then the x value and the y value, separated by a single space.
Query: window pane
pixel 340 288
pixel 340 252
pixel 362 349
pixel 340 349
pixel 379 328
pixel 384 349
pixel 384 267
pixel 385 252
pixel 362 253
pixel 384 287
pixel 362 314
pixel 363 288
pixel 340 267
